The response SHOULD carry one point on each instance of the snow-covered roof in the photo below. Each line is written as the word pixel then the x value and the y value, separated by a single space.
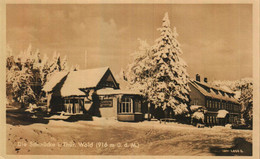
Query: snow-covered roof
pixel 194 108
pixel 198 115
pixel 54 80
pixel 213 92
pixel 111 91
pixel 226 89
pixel 82 79
pixel 222 113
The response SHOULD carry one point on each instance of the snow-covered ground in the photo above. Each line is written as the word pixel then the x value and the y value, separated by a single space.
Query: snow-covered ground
pixel 107 136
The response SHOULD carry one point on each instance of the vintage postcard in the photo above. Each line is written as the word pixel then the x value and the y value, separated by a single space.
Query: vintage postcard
pixel 130 79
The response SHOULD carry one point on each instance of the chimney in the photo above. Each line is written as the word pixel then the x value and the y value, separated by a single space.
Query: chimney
pixel 198 77
pixel 206 80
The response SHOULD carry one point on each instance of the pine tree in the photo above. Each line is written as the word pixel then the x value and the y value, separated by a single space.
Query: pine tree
pixel 19 74
pixel 160 73
pixel 171 86
pixel 27 72
pixel 57 64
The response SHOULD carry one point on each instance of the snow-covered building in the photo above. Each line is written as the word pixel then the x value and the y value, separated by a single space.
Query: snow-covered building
pixel 221 105
pixel 92 91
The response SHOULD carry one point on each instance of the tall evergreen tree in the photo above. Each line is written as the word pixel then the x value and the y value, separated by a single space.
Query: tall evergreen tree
pixel 161 71
pixel 171 86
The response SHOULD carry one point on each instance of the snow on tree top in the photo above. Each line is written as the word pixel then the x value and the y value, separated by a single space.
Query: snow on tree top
pixel 166 21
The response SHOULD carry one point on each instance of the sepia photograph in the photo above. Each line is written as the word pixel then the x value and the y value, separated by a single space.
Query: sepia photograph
pixel 128 79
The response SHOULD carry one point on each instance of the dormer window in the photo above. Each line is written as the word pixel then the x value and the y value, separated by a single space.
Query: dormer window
pixel 216 91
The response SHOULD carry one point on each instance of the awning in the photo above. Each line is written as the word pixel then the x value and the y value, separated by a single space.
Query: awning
pixel 222 113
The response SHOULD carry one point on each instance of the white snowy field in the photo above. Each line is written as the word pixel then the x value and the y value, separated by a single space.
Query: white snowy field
pixel 110 137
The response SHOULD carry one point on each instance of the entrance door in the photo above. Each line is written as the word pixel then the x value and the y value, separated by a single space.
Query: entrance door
pixel 81 105
pixel 76 106
pixel 137 106
pixel 68 106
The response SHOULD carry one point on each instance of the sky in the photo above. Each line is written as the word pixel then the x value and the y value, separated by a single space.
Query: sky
pixel 216 39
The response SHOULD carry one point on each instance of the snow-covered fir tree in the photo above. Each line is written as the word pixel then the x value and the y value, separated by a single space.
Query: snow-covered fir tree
pixel 169 71
pixel 57 64
pixel 246 99
pixel 160 73
pixel 27 70
pixel 19 73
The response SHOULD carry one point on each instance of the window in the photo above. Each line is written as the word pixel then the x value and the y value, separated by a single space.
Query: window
pixel 126 105
pixel 231 119
pixel 68 106
pixel 74 105
pixel 235 119
pixel 236 108
pixel 81 106
pixel 196 101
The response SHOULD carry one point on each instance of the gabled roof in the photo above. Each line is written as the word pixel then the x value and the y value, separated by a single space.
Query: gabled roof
pixel 76 81
pixel 213 92
pixel 54 80
pixel 82 79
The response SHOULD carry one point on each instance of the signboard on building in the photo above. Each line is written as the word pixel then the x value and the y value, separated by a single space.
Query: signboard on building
pixel 106 103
